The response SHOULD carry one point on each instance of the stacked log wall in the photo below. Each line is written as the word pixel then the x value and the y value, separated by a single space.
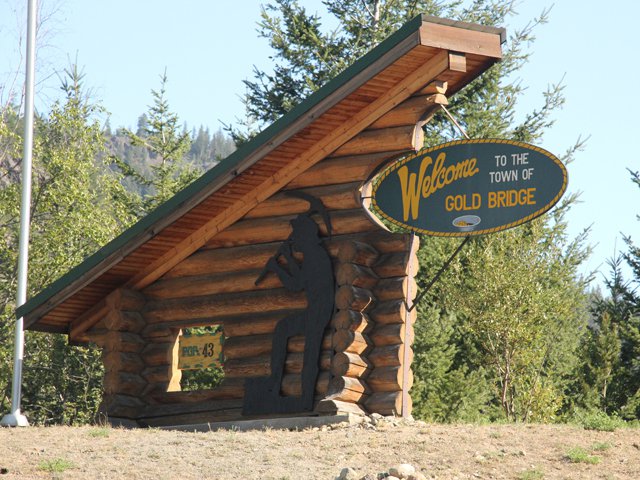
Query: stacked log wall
pixel 348 388
pixel 363 351
pixel 392 336
pixel 356 348
pixel 119 334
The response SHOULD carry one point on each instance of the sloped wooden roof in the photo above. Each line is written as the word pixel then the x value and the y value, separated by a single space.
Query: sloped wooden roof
pixel 423 50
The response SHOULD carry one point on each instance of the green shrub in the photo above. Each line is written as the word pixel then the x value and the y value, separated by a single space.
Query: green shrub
pixel 601 446
pixel 99 432
pixel 56 465
pixel 602 422
pixel 580 455
pixel 534 474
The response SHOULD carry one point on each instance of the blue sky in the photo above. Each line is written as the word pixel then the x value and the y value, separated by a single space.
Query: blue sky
pixel 209 47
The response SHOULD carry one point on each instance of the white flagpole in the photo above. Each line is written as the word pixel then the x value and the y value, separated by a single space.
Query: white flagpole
pixel 16 418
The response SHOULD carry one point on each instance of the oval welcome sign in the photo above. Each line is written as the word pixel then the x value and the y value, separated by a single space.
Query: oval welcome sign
pixel 469 187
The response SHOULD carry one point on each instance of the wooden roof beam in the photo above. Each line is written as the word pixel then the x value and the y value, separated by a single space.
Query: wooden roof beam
pixel 399 137
pixel 411 112
pixel 447 35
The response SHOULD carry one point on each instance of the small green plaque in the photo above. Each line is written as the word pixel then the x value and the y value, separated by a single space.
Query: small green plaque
pixel 200 351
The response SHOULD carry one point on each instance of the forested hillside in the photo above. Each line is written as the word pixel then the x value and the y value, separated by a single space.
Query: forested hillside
pixel 206 149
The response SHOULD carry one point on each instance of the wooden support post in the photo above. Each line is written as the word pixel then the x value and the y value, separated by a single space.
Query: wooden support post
pixel 457 62
pixel 175 374
pixel 407 374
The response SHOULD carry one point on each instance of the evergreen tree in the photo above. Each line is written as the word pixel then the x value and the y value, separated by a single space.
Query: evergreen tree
pixel 547 299
pixel 447 388
pixel 119 147
pixel 200 147
pixel 207 149
pixel 220 147
pixel 602 361
pixel 609 377
pixel 166 146
pixel 628 382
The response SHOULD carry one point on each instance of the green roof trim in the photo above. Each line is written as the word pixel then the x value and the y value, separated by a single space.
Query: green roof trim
pixel 145 226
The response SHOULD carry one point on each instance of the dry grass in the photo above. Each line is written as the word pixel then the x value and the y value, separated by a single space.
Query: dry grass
pixel 439 451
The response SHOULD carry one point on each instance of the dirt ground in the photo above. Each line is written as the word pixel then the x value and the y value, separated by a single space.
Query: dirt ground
pixel 438 451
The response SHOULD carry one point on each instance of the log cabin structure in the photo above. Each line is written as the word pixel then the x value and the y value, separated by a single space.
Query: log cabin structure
pixel 198 259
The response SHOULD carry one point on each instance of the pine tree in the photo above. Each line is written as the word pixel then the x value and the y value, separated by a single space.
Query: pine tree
pixel 200 147
pixel 609 377
pixel 629 379
pixel 208 149
pixel 446 387
pixel 603 358
pixel 167 172
pixel 221 146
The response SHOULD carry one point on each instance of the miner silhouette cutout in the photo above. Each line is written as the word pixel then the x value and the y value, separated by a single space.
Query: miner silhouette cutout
pixel 314 276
